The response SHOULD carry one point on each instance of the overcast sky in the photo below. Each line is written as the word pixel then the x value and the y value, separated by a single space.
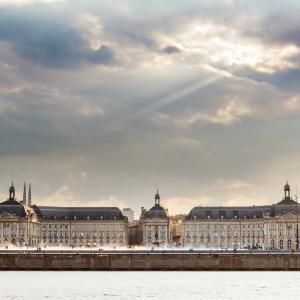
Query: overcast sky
pixel 103 102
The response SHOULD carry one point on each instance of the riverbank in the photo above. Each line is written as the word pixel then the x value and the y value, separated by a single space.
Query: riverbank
pixel 150 261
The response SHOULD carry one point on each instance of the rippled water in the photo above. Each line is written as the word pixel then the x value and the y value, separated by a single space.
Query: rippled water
pixel 149 285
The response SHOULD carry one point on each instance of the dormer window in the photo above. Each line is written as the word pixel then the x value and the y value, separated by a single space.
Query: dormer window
pixel 221 214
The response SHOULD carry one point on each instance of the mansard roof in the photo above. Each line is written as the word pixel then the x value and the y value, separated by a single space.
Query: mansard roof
pixel 242 212
pixel 78 213
pixel 247 212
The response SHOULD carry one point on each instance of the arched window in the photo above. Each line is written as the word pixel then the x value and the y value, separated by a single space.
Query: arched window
pixel 281 244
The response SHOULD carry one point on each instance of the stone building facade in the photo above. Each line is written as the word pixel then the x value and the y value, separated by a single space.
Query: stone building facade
pixel 268 227
pixel 154 225
pixel 18 221
pixel 34 225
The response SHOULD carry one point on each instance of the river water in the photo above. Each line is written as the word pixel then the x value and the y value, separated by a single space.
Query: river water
pixel 149 285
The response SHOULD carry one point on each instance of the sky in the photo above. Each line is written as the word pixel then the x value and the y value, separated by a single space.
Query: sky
pixel 103 102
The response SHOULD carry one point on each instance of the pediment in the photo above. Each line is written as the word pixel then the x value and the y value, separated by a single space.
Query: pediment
pixel 289 215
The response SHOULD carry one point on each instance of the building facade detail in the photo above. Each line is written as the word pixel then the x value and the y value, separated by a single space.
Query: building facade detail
pixel 269 227
pixel 154 225
pixel 18 221
pixel 266 227
pixel 22 224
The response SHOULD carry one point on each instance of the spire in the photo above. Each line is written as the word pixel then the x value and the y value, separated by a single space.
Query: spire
pixel 157 198
pixel 29 195
pixel 12 192
pixel 287 190
pixel 24 194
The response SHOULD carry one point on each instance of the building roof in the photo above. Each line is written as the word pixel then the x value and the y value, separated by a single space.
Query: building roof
pixel 287 204
pixel 12 206
pixel 156 211
pixel 11 202
pixel 242 212
pixel 250 212
pixel 287 201
pixel 78 213
pixel 17 210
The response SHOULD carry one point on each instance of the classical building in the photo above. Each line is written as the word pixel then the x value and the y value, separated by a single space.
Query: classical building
pixel 18 221
pixel 268 227
pixel 81 226
pixel 154 225
pixel 24 224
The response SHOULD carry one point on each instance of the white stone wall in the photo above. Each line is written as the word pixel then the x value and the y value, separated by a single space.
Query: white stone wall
pixel 270 233
pixel 84 233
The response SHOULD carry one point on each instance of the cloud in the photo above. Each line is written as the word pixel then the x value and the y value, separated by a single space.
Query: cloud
pixel 171 50
pixel 110 99
pixel 231 113
pixel 182 205
pixel 48 41
pixel 63 196
pixel 279 28
pixel 103 55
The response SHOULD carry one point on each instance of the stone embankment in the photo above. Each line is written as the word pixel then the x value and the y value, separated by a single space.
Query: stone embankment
pixel 149 261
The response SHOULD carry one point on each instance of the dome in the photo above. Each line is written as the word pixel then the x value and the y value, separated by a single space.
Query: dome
pixel 156 212
pixel 17 210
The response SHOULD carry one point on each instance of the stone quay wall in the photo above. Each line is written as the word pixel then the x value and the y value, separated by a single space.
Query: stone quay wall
pixel 150 261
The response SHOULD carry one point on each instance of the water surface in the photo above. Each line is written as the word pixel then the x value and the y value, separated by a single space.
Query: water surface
pixel 149 285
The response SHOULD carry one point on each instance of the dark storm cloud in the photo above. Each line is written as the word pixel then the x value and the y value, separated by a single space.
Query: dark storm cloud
pixel 47 41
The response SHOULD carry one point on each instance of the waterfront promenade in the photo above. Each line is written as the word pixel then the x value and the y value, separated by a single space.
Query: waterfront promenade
pixel 194 260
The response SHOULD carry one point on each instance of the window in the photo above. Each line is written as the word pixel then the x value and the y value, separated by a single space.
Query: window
pixel 221 214
pixel 281 244
pixel 289 244
pixel 272 244
pixel 208 214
